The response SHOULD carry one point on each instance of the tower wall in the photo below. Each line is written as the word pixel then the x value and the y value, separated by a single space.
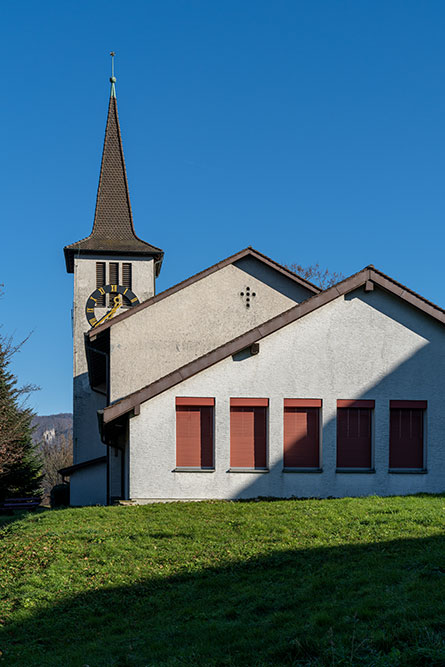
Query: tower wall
pixel 87 444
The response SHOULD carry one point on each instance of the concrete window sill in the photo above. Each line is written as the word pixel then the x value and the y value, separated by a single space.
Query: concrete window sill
pixel 360 471
pixel 303 470
pixel 249 470
pixel 408 471
pixel 193 470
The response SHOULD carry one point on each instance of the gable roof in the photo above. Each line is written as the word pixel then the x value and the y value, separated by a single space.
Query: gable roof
pixel 367 277
pixel 247 252
pixel 65 472
pixel 113 230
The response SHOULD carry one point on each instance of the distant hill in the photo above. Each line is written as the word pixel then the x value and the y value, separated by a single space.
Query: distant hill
pixel 47 427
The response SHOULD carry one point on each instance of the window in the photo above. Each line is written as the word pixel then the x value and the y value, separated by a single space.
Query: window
pixel 113 279
pixel 248 433
pixel 126 274
pixel 406 434
pixel 354 434
pixel 126 280
pixel 116 276
pixel 100 282
pixel 113 273
pixel 301 433
pixel 194 432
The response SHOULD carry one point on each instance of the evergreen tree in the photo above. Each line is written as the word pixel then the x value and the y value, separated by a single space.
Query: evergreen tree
pixel 20 466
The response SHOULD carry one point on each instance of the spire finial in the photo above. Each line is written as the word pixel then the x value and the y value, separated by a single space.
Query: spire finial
pixel 112 77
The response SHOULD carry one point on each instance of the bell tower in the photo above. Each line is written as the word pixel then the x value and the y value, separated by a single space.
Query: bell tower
pixel 111 255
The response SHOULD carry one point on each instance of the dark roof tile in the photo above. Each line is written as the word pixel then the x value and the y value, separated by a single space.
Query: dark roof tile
pixel 113 230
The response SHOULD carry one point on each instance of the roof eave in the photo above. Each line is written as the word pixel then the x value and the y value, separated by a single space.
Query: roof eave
pixel 357 280
pixel 70 253
pixel 66 472
pixel 203 274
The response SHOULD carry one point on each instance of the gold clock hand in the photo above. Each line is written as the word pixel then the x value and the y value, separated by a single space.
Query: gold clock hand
pixel 117 303
pixel 102 319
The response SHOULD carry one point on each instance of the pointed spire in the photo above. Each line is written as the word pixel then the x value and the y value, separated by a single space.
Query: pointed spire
pixel 113 218
pixel 113 231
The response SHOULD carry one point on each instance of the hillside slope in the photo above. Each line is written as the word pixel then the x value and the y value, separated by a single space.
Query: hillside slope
pixel 50 426
pixel 313 583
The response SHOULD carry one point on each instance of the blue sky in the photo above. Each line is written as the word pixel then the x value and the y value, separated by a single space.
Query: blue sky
pixel 313 131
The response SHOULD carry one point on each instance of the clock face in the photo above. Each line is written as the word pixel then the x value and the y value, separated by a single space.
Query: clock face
pixel 118 293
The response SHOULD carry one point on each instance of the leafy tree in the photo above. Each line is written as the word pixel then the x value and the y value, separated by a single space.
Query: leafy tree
pixel 20 465
pixel 321 277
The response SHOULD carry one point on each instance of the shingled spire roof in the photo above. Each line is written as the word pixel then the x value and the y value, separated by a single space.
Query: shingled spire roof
pixel 113 231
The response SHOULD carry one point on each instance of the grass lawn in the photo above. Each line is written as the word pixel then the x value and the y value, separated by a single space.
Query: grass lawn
pixel 313 582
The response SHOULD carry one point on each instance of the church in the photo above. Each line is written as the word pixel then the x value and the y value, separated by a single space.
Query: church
pixel 245 380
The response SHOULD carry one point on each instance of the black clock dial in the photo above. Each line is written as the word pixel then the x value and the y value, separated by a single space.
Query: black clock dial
pixel 119 291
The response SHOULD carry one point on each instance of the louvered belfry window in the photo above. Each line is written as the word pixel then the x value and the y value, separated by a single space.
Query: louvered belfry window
pixel 248 432
pixel 194 432
pixel 406 434
pixel 126 274
pixel 126 279
pixel 100 282
pixel 113 273
pixel 113 279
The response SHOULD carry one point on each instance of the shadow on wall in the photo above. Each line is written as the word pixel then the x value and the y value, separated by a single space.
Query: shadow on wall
pixel 325 606
pixel 279 282
pixel 85 425
pixel 420 377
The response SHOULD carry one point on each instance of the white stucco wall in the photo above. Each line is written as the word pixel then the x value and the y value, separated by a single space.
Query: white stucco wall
pixel 88 486
pixel 364 345
pixel 187 324
pixel 86 441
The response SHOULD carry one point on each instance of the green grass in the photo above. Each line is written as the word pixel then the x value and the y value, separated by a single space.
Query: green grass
pixel 330 582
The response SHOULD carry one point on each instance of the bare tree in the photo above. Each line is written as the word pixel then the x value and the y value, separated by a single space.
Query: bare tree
pixel 321 277
pixel 56 453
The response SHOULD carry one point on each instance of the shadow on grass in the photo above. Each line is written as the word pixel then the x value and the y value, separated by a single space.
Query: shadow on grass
pixel 378 604
pixel 7 518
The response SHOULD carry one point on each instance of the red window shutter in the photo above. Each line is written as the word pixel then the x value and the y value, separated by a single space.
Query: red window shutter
pixel 355 404
pixel 302 402
pixel 301 437
pixel 354 437
pixel 406 437
pixel 249 402
pixel 206 437
pixel 194 436
pixel 409 404
pixel 186 400
pixel 248 436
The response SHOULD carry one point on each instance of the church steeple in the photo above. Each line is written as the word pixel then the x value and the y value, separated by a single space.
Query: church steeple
pixel 113 231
